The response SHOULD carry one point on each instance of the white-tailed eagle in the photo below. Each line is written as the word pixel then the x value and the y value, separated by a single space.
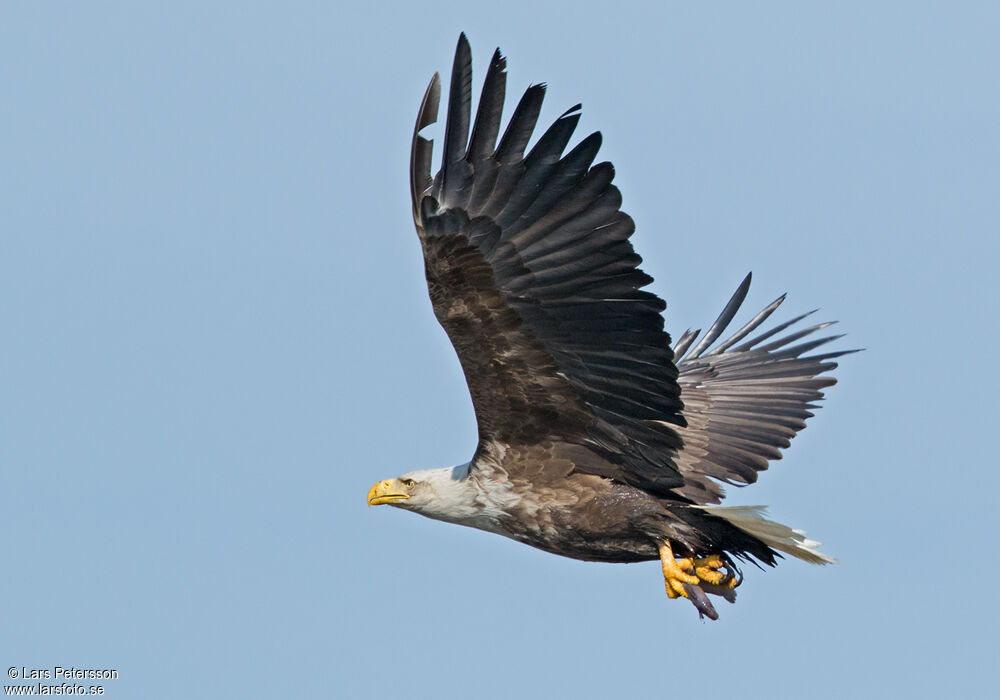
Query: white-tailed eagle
pixel 598 438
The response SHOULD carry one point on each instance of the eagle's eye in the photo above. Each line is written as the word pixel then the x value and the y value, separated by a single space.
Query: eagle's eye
pixel 408 483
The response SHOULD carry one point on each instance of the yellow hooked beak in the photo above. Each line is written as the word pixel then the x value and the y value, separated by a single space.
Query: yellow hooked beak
pixel 388 491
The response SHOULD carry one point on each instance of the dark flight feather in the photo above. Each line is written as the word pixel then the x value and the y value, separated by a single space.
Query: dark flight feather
pixel 421 152
pixel 722 322
pixel 743 405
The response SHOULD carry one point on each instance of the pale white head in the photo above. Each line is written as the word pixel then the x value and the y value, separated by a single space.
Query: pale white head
pixel 443 494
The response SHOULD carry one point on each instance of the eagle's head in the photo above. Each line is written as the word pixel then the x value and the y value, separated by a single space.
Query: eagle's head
pixel 443 494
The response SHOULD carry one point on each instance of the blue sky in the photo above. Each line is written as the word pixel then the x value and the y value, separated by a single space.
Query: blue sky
pixel 217 336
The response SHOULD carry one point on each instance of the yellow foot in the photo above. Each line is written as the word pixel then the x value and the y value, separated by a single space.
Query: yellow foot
pixel 673 572
pixel 677 572
pixel 707 569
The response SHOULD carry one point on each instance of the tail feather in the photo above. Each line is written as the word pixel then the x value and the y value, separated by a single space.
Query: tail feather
pixel 751 520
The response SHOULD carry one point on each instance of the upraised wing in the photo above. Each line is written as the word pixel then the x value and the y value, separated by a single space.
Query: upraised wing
pixel 532 275
pixel 745 402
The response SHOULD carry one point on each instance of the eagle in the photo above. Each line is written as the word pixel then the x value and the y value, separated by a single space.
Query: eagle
pixel 600 439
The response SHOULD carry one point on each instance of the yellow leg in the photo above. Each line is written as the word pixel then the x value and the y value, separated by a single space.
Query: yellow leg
pixel 673 572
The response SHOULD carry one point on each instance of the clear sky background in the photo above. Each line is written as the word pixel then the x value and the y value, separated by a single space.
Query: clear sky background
pixel 216 336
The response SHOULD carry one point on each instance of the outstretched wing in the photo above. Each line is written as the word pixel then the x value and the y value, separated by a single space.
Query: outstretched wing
pixel 744 403
pixel 532 275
